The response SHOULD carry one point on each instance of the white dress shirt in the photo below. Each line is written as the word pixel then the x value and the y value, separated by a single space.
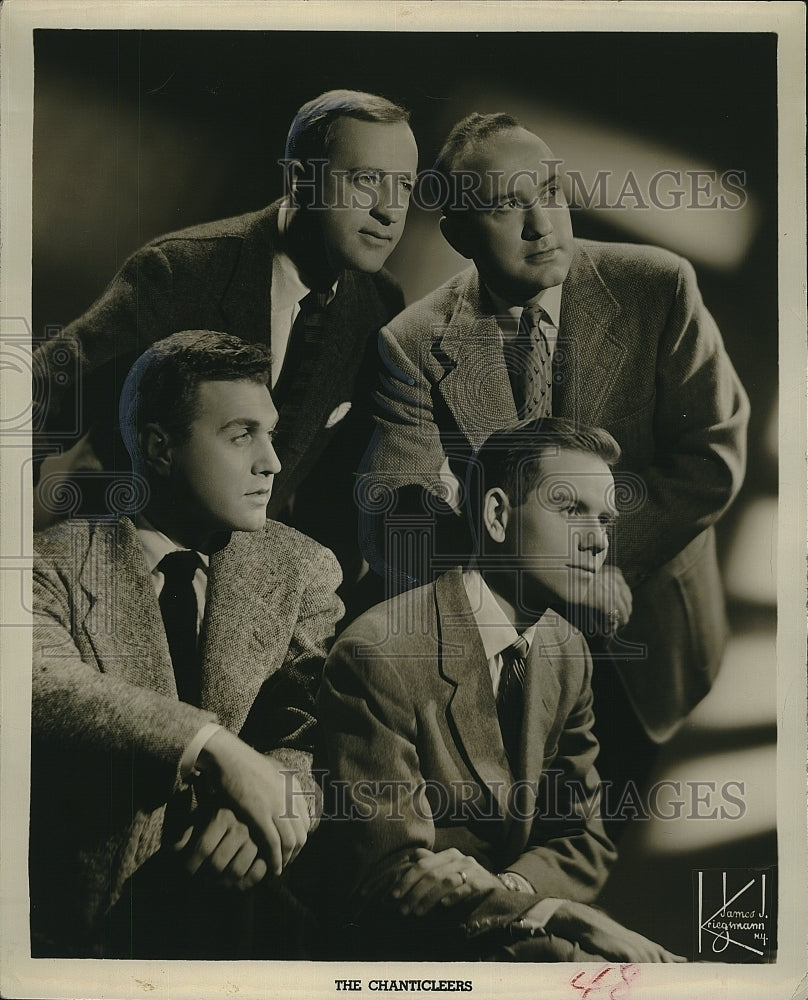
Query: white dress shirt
pixel 286 292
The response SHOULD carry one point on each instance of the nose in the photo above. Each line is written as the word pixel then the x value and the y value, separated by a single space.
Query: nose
pixel 388 203
pixel 537 222
pixel 594 539
pixel 266 462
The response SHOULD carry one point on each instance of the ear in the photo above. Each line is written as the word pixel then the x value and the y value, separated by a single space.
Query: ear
pixel 299 185
pixel 156 449
pixel 456 235
pixel 496 514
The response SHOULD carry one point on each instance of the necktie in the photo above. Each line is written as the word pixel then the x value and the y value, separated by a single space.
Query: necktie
pixel 511 696
pixel 305 346
pixel 530 368
pixel 179 609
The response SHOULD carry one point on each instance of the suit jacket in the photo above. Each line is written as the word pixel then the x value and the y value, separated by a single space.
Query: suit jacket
pixel 107 726
pixel 414 756
pixel 639 354
pixel 217 276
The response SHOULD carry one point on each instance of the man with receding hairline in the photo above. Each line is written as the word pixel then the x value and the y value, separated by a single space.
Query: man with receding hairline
pixel 614 335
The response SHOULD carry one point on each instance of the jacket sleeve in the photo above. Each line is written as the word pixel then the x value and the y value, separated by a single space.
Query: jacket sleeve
pixel 698 419
pixel 569 854
pixel 76 705
pixel 282 721
pixel 135 310
pixel 406 448
pixel 374 785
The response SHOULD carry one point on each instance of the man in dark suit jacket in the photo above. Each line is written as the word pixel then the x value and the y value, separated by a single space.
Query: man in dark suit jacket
pixel 460 768
pixel 129 717
pixel 632 349
pixel 350 165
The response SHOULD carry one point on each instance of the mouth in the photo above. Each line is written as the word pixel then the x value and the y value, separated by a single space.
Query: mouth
pixel 261 495
pixel 587 571
pixel 546 254
pixel 378 238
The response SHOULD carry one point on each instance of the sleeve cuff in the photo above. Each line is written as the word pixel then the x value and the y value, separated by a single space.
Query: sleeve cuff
pixel 514 882
pixel 189 757
pixel 537 916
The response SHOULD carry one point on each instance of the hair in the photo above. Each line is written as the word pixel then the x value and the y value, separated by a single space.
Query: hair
pixel 163 384
pixel 471 130
pixel 511 459
pixel 312 130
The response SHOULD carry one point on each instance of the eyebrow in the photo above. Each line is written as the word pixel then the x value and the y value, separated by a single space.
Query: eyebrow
pixel 381 170
pixel 249 422
pixel 586 509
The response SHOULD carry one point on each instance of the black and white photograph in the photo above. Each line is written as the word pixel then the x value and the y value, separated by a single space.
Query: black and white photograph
pixel 403 499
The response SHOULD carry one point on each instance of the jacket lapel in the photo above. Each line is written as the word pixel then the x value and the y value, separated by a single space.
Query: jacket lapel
pixel 474 379
pixel 471 706
pixel 246 302
pixel 123 621
pixel 589 352
pixel 238 651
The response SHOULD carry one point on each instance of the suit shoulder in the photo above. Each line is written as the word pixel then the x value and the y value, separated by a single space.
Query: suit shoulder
pixel 236 227
pixel 292 551
pixel 620 261
pixel 70 538
pixel 424 318
pixel 381 633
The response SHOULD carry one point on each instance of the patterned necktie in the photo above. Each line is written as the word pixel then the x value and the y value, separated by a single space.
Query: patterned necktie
pixel 305 347
pixel 179 609
pixel 530 367
pixel 511 696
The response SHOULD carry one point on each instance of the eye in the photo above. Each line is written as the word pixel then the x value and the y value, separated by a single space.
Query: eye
pixel 242 437
pixel 367 177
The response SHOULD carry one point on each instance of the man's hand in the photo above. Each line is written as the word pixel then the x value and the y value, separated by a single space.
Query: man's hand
pixel 599 934
pixel 610 595
pixel 218 844
pixel 446 878
pixel 264 796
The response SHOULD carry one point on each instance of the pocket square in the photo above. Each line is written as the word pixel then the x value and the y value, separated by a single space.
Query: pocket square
pixel 337 414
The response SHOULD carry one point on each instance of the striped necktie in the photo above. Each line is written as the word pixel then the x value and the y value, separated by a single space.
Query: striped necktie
pixel 305 347
pixel 511 696
pixel 530 367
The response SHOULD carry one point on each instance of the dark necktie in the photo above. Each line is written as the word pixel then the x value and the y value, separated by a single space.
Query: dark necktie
pixel 511 696
pixel 179 609
pixel 304 348
pixel 530 367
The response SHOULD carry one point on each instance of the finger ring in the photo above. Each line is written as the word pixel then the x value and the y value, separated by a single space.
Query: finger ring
pixel 464 878
pixel 614 616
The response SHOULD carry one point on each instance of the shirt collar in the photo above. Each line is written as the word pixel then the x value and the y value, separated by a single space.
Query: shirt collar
pixel 548 298
pixel 496 631
pixel 156 545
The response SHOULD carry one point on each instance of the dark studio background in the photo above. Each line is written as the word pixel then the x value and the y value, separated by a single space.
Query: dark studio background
pixel 137 133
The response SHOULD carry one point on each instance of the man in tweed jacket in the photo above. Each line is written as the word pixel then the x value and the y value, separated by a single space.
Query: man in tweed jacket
pixel 636 352
pixel 116 754
pixel 247 276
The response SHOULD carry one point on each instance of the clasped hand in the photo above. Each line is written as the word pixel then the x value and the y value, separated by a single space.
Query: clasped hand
pixel 260 795
pixel 444 878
